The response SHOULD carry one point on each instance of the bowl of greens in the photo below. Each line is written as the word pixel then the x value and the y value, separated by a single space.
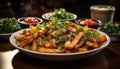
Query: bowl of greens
pixel 59 14
pixel 7 27
pixel 113 30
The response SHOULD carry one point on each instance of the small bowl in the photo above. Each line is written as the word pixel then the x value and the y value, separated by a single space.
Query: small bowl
pixel 97 25
pixel 115 37
pixel 26 24
pixel 46 17
pixel 5 36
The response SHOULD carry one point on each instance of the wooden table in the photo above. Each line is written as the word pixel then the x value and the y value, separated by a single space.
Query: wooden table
pixel 11 58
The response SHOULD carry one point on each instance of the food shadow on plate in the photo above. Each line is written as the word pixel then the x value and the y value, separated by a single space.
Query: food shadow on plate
pixel 27 62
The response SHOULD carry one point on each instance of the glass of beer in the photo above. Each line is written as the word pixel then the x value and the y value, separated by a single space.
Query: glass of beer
pixel 104 13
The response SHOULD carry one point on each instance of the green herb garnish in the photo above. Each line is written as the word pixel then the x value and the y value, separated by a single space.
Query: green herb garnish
pixel 110 28
pixel 61 14
pixel 9 25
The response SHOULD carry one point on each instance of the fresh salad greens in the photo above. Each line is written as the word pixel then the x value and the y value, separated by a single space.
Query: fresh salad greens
pixel 8 25
pixel 111 28
pixel 61 14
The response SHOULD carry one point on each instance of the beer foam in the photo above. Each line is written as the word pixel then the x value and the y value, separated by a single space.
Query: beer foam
pixel 103 8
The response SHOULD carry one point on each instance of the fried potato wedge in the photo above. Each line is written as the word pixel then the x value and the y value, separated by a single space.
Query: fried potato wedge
pixel 75 40
pixel 25 42
pixel 19 37
pixel 92 44
pixel 48 50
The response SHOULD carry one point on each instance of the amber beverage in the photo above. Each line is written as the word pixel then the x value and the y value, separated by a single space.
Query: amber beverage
pixel 104 13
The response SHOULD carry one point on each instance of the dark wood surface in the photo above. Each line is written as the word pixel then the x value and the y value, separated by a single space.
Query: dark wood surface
pixel 11 58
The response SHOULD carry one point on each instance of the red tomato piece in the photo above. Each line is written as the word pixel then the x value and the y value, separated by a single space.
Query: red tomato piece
pixel 31 20
pixel 88 22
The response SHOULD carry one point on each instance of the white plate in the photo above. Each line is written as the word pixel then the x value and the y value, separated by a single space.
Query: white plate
pixel 46 16
pixel 58 56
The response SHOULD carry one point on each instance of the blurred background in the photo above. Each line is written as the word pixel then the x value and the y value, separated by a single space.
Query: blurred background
pixel 20 8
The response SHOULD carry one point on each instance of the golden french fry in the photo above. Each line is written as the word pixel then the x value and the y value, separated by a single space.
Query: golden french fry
pixel 48 44
pixel 75 40
pixel 82 49
pixel 86 27
pixel 32 28
pixel 25 42
pixel 56 33
pixel 39 40
pixel 19 37
pixel 35 35
pixel 27 33
pixel 102 38
pixel 74 35
pixel 43 31
pixel 92 44
pixel 67 43
pixel 79 44
pixel 95 39
pixel 50 26
pixel 48 50
pixel 34 45
pixel 52 44
pixel 71 29
pixel 77 26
